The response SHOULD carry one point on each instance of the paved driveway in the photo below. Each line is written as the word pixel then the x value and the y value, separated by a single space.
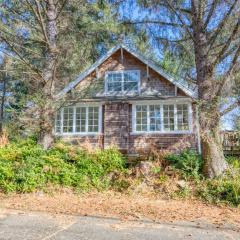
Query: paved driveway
pixel 15 225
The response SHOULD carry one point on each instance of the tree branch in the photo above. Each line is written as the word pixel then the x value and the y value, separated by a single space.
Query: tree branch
pixel 41 21
pixel 226 45
pixel 158 22
pixel 61 8
pixel 230 108
pixel 180 19
pixel 29 65
pixel 211 11
pixel 231 70
pixel 222 24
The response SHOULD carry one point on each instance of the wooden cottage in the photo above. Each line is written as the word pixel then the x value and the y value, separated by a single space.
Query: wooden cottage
pixel 128 101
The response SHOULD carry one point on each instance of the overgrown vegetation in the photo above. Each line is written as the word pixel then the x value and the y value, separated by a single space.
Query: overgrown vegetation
pixel 224 189
pixel 26 167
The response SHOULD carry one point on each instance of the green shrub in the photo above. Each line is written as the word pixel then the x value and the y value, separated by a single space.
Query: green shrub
pixel 188 162
pixel 233 161
pixel 26 167
pixel 225 189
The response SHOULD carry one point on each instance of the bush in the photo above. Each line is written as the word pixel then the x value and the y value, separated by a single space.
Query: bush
pixel 233 161
pixel 26 167
pixel 188 162
pixel 225 189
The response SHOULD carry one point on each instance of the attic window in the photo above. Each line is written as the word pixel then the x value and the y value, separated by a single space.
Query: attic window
pixel 122 81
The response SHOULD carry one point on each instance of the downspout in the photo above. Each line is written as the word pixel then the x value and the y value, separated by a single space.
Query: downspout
pixel 198 131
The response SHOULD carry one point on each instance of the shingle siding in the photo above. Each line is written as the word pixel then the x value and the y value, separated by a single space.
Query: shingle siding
pixel 117 116
pixel 154 84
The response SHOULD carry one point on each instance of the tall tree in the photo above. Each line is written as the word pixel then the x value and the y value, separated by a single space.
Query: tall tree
pixel 51 41
pixel 209 32
pixel 3 90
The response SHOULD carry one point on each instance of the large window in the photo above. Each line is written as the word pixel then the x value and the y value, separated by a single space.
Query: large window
pixel 122 81
pixel 78 120
pixel 161 118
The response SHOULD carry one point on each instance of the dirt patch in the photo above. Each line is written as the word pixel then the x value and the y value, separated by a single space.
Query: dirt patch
pixel 126 207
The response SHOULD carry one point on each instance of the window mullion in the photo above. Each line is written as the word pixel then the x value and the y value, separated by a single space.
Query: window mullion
pixel 86 124
pixel 61 119
pixel 148 119
pixel 190 127
pixel 122 84
pixel 161 116
pixel 175 117
pixel 74 119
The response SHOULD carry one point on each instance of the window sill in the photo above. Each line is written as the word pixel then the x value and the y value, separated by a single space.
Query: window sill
pixel 161 133
pixel 120 94
pixel 77 134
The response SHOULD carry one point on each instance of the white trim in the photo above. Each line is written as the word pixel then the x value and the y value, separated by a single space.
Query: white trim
pixel 74 133
pixel 175 117
pixel 161 103
pixel 180 83
pixel 122 92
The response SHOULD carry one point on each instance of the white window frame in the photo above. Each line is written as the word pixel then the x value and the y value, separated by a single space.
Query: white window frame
pixel 122 82
pixel 87 133
pixel 162 103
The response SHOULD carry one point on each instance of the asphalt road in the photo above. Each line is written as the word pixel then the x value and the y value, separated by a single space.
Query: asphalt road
pixel 39 226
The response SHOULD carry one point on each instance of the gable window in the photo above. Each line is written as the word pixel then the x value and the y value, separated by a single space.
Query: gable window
pixel 162 118
pixel 122 81
pixel 78 120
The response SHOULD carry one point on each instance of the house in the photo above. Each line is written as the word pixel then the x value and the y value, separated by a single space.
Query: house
pixel 126 100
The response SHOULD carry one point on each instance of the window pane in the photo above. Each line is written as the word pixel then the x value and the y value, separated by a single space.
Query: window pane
pixel 81 119
pixel 68 120
pixel 168 117
pixel 155 118
pixel 131 80
pixel 182 117
pixel 58 122
pixel 141 118
pixel 93 113
pixel 114 82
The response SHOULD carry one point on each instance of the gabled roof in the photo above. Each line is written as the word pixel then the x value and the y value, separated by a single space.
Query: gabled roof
pixel 180 83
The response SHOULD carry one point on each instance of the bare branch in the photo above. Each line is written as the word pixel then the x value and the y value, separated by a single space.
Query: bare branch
pixel 158 22
pixel 180 19
pixel 41 21
pixel 232 69
pixel 226 45
pixel 230 108
pixel 29 65
pixel 222 24
pixel 35 12
pixel 61 8
pixel 211 11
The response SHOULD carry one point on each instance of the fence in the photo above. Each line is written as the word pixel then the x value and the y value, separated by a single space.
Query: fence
pixel 231 142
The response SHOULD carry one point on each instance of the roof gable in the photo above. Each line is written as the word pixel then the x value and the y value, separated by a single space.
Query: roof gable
pixel 180 83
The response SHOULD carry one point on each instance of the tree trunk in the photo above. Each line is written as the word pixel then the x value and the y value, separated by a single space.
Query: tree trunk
pixel 45 137
pixel 212 151
pixel 3 98
pixel 47 109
